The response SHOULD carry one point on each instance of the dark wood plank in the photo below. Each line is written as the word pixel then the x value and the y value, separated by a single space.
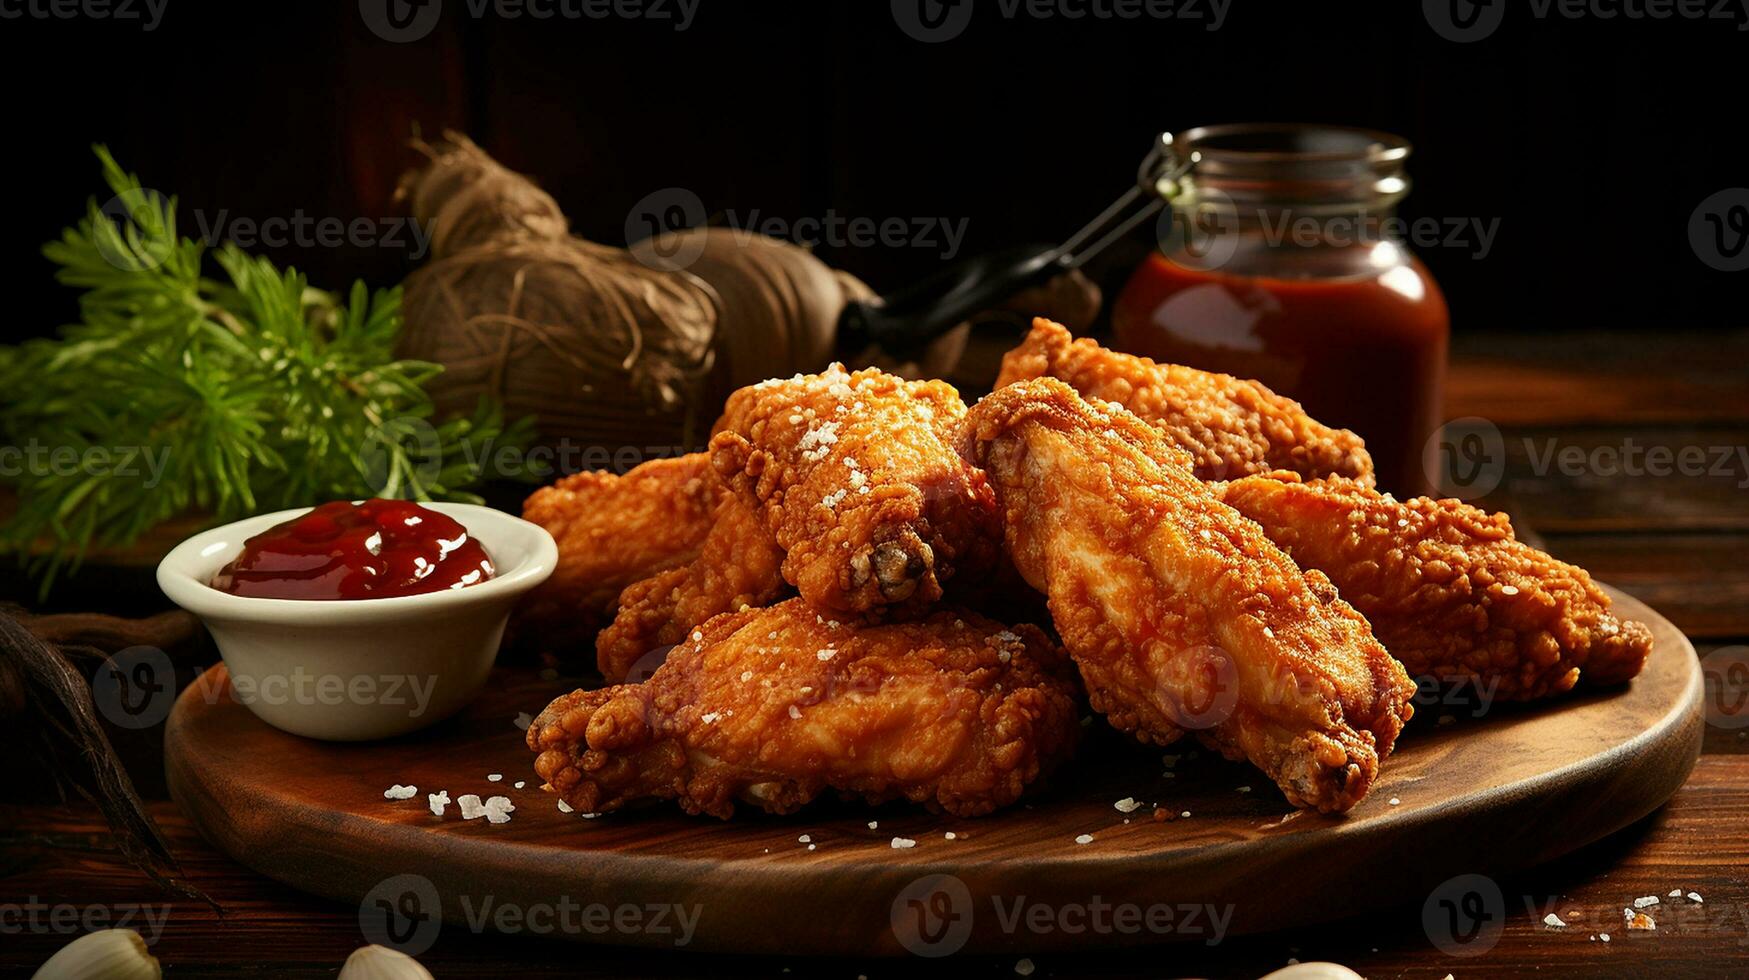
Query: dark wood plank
pixel 63 856
pixel 1600 377
pixel 1628 478
pixel 1699 581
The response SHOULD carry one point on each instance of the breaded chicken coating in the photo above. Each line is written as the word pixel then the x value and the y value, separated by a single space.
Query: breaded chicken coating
pixel 738 566
pixel 1230 426
pixel 773 707
pixel 1448 587
pixel 1179 613
pixel 612 531
pixel 857 478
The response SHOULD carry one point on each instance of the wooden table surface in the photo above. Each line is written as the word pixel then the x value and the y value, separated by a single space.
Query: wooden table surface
pixel 1676 541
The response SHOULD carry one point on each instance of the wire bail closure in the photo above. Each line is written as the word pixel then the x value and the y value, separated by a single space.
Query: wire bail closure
pixel 1156 184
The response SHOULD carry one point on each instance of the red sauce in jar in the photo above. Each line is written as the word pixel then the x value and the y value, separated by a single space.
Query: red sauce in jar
pixel 373 550
pixel 1362 352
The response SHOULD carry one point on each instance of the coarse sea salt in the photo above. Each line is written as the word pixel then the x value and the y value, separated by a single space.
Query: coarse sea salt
pixel 399 792
pixel 437 801
pixel 1127 805
pixel 903 843
pixel 1084 839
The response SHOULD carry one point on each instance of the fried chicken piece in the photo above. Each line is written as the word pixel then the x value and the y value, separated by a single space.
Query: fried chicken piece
pixel 1232 427
pixel 1179 613
pixel 1448 587
pixel 857 477
pixel 771 707
pixel 738 566
pixel 613 531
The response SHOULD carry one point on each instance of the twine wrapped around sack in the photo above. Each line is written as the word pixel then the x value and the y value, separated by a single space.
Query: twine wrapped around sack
pixel 604 350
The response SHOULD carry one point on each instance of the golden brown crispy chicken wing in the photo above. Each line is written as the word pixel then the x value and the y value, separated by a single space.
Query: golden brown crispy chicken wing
pixel 1178 611
pixel 612 531
pixel 1232 427
pixel 772 707
pixel 738 566
pixel 857 477
pixel 1449 588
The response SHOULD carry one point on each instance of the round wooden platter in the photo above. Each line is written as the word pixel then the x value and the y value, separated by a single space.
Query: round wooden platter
pixel 1487 794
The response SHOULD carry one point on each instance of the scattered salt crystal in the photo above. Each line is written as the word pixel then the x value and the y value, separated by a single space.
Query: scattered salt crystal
pixel 521 783
pixel 1509 590
pixel 795 712
pixel 1695 898
pixel 1554 921
pixel 949 835
pixel 1185 814
pixel 523 720
pixel 1603 936
pixel 1244 789
pixel 437 801
pixel 1024 967
pixel 498 809
pixel 1127 805
pixel 1084 839
pixel 564 807
pixel 709 717
pixel 826 654
pixel 872 824
pixel 493 777
pixel 804 839
pixel 697 636
pixel 1644 901
pixel 746 675
pixel 471 806
pixel 812 846
pixel 1675 893
pixel 903 843
pixel 399 792
pixel 1394 801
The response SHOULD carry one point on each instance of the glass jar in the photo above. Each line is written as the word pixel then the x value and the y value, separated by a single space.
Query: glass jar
pixel 1281 259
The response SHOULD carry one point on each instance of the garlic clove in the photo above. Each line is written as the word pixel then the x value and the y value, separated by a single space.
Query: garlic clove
pixel 107 954
pixel 382 963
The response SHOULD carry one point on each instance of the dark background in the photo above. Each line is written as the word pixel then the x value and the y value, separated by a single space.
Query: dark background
pixel 1592 141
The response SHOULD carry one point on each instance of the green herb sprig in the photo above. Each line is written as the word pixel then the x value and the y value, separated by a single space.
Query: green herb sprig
pixel 234 396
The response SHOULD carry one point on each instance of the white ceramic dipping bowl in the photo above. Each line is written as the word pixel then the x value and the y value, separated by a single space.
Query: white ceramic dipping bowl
pixel 357 669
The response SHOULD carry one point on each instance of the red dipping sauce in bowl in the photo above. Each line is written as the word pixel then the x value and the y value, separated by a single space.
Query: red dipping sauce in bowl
pixel 377 549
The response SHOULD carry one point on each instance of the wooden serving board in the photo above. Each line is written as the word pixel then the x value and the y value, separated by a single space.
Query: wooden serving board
pixel 1476 795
